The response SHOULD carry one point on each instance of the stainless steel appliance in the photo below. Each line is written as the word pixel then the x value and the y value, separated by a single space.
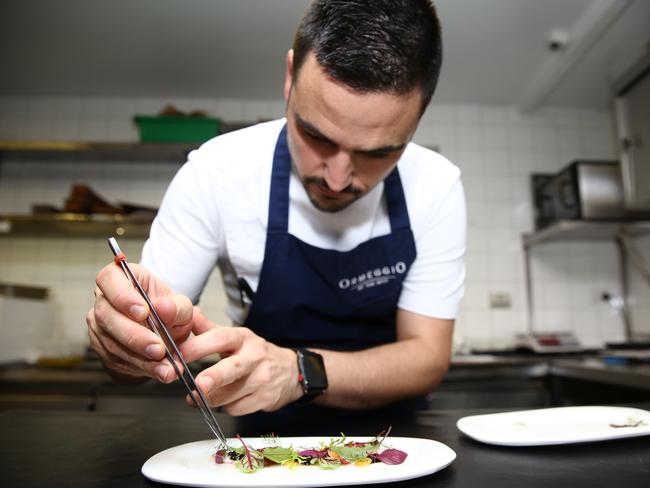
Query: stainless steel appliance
pixel 584 190
pixel 632 108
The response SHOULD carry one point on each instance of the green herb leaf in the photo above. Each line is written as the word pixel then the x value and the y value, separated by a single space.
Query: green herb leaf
pixel 354 453
pixel 279 454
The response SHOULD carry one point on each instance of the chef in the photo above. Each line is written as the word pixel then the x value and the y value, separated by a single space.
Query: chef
pixel 339 241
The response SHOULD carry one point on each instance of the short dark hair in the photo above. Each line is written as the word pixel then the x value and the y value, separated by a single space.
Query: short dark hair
pixel 373 45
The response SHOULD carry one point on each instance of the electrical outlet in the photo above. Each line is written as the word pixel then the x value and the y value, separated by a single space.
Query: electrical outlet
pixel 500 300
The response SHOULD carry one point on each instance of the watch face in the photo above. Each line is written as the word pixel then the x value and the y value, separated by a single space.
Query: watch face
pixel 313 370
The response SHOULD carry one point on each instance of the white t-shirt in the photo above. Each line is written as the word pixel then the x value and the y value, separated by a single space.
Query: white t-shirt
pixel 215 212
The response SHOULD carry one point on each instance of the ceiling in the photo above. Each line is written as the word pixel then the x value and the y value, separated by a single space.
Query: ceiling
pixel 496 51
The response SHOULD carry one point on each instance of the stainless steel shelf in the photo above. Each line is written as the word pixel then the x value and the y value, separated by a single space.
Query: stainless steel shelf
pixel 94 151
pixel 575 230
pixel 104 151
pixel 68 225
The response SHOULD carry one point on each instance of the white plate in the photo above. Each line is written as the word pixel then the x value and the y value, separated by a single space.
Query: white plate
pixel 562 425
pixel 193 465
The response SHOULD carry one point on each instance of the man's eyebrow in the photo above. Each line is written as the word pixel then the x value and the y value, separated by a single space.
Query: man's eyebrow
pixel 314 132
pixel 384 150
pixel 311 129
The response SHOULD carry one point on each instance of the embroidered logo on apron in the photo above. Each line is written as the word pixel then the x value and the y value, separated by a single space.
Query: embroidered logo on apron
pixel 373 277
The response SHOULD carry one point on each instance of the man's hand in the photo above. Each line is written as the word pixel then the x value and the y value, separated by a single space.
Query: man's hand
pixel 115 323
pixel 253 374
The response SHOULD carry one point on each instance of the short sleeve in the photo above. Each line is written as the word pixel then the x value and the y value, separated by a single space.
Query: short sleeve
pixel 186 237
pixel 434 284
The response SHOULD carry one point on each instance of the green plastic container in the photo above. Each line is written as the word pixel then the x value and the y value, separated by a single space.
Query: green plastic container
pixel 172 128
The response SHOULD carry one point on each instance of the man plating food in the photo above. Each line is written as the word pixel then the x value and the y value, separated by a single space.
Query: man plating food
pixel 340 242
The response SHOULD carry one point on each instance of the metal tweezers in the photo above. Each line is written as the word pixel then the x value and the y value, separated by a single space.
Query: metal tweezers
pixel 172 352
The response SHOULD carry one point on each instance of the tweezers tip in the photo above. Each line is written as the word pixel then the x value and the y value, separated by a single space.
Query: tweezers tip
pixel 112 243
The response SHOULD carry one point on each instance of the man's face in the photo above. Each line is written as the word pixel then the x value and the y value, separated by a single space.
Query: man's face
pixel 343 142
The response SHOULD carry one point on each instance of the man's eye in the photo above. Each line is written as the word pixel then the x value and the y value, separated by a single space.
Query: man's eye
pixel 319 139
pixel 377 155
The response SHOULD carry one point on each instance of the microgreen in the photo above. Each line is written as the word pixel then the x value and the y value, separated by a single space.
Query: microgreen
pixel 271 440
pixel 353 453
pixel 280 455
pixel 251 461
pixel 338 452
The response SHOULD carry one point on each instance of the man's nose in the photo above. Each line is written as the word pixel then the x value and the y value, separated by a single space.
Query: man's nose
pixel 338 171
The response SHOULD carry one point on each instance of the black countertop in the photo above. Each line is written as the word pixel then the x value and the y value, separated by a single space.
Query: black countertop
pixel 588 367
pixel 87 387
pixel 634 375
pixel 93 449
pixel 62 443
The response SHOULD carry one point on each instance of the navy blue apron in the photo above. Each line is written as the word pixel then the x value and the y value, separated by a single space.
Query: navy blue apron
pixel 323 298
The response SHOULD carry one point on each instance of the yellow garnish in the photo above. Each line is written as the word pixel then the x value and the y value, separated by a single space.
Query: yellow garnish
pixel 363 462
pixel 332 454
pixel 290 464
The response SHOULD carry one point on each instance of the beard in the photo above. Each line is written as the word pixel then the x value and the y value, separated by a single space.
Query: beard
pixel 325 203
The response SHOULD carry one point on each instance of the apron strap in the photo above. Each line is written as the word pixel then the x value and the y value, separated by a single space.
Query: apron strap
pixel 395 202
pixel 280 177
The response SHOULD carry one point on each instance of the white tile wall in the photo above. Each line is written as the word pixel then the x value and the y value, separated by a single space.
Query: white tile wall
pixel 497 149
pixel 495 146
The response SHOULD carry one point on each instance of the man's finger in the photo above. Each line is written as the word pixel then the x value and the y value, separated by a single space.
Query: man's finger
pixel 217 397
pixel 110 360
pixel 243 406
pixel 200 323
pixel 221 382
pixel 162 370
pixel 240 406
pixel 215 340
pixel 175 310
pixel 133 336
pixel 114 285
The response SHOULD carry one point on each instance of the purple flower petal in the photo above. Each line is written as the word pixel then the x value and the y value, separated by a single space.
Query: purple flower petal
pixel 391 456
pixel 313 453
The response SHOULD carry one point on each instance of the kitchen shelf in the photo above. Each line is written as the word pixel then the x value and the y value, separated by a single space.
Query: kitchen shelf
pixel 585 231
pixel 579 230
pixel 104 151
pixel 75 225
pixel 95 151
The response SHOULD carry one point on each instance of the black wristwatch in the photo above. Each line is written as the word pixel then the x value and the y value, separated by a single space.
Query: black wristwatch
pixel 311 374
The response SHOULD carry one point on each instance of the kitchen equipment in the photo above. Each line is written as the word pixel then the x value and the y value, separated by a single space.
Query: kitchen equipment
pixel 632 106
pixel 26 326
pixel 584 190
pixel 174 356
pixel 549 342
pixel 625 355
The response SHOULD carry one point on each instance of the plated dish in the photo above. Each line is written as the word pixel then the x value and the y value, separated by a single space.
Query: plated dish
pixel 194 464
pixel 562 425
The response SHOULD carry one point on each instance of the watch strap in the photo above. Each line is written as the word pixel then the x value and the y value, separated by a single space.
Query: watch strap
pixel 311 374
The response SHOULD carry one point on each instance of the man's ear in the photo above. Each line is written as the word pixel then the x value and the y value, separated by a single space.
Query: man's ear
pixel 288 77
